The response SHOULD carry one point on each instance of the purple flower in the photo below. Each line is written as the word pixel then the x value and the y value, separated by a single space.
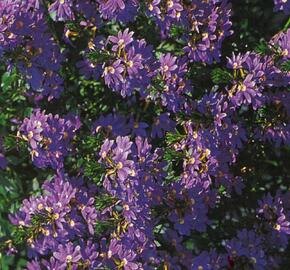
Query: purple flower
pixel 121 40
pixel 236 61
pixel 62 8
pixel 89 253
pixel 133 62
pixel 138 128
pixel 115 156
pixel 188 209
pixel 32 128
pixel 121 10
pixel 112 4
pixel 247 86
pixel 271 209
pixel 127 259
pixel 123 166
pixel 33 265
pixel 165 14
pixel 208 261
pixel 53 264
pixel 282 5
pixel 247 245
pixel 106 148
pixel 282 41
pixel 67 254
pixel 113 73
pixel 112 123
pixel 161 125
pixel 244 92
pixel 167 65
pixel 121 152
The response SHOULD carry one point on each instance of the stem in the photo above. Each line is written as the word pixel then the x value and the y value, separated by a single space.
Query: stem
pixel 287 25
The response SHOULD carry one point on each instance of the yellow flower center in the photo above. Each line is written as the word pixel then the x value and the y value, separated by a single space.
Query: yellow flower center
pixel 109 70
pixel 242 87
pixel 72 223
pixel 191 160
pixel 104 154
pixel 170 4
pixel 165 68
pixel 277 227
pixel 126 207
pixel 30 134
pixel 68 258
pixel 130 63
pixel 55 216
pixel 119 165
pixel 121 42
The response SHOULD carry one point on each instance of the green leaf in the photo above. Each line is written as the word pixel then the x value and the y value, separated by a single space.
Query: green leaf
pixel 221 76
pixel 286 66
pixel 262 48
pixel 103 201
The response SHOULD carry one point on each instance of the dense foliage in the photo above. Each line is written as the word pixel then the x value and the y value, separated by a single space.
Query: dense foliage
pixel 145 134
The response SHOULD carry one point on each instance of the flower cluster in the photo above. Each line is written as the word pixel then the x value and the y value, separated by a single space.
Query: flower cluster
pixel 136 180
pixel 251 248
pixel 48 137
pixel 165 13
pixel 27 43
pixel 170 85
pixel 27 40
pixel 251 74
pixel 280 43
pixel 114 125
pixel 277 218
pixel 207 25
pixel 133 177
pixel 120 10
pixel 125 62
pixel 64 214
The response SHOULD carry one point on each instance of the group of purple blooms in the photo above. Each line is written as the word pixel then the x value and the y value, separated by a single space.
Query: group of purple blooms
pixel 139 234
